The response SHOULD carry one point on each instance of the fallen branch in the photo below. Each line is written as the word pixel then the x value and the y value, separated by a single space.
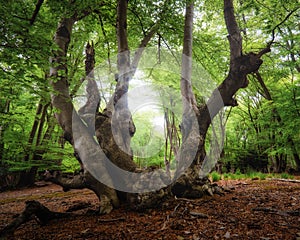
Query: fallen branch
pixel 33 208
pixel 275 211
pixel 198 214
pixel 284 180
pixel 111 220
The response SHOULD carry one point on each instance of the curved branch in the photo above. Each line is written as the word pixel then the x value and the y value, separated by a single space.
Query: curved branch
pixel 169 48
pixel 234 37
pixel 147 37
pixel 36 11
pixel 279 24
pixel 268 47
pixel 138 53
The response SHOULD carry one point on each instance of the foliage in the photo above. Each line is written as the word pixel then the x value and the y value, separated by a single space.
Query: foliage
pixel 148 141
pixel 215 176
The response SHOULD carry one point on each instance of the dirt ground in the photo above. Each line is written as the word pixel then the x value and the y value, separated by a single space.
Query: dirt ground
pixel 264 210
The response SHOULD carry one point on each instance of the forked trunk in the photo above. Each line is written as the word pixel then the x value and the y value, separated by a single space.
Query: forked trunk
pixel 193 182
pixel 114 127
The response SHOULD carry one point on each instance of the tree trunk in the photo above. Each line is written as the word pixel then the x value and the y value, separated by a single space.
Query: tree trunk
pixel 69 120
pixel 27 177
pixel 4 110
pixel 189 184
pixel 60 96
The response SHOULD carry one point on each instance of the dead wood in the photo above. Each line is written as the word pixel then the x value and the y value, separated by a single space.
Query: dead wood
pixel 278 212
pixel 198 214
pixel 33 210
pixel 284 180
pixel 112 220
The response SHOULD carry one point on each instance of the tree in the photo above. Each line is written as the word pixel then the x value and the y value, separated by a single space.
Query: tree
pixel 188 183
pixel 265 129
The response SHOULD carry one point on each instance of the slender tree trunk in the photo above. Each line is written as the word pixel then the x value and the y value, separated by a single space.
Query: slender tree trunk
pixel 171 137
pixel 123 129
pixel 42 123
pixel 27 177
pixel 3 110
pixel 34 129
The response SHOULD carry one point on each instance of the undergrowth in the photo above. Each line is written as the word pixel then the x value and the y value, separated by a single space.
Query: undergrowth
pixel 215 176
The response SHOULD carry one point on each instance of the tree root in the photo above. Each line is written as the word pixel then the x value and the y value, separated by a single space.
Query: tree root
pixel 33 209
pixel 187 187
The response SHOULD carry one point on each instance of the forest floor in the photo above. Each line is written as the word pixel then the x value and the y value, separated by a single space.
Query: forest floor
pixel 260 209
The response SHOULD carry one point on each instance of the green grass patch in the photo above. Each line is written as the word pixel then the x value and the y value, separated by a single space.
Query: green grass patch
pixel 215 176
pixel 286 176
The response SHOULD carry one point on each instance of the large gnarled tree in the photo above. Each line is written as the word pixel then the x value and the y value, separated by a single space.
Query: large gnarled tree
pixel 190 181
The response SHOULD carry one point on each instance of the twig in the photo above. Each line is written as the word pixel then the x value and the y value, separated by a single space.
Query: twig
pixel 198 215
pixel 278 25
pixel 36 11
pixel 175 209
pixel 111 220
pixel 165 223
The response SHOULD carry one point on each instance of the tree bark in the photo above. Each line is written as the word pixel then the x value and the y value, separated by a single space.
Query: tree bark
pixel 68 119
pixel 183 186
pixel 58 75
pixel 240 65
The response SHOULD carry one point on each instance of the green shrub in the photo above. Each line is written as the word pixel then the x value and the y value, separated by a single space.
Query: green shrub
pixel 286 176
pixel 232 176
pixel 226 176
pixel 262 176
pixel 238 171
pixel 215 176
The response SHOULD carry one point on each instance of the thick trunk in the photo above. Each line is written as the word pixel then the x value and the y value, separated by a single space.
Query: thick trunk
pixel 123 128
pixel 68 119
pixel 186 64
pixel 190 135
pixel 91 107
pixel 114 127
pixel 58 75
pixel 240 65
